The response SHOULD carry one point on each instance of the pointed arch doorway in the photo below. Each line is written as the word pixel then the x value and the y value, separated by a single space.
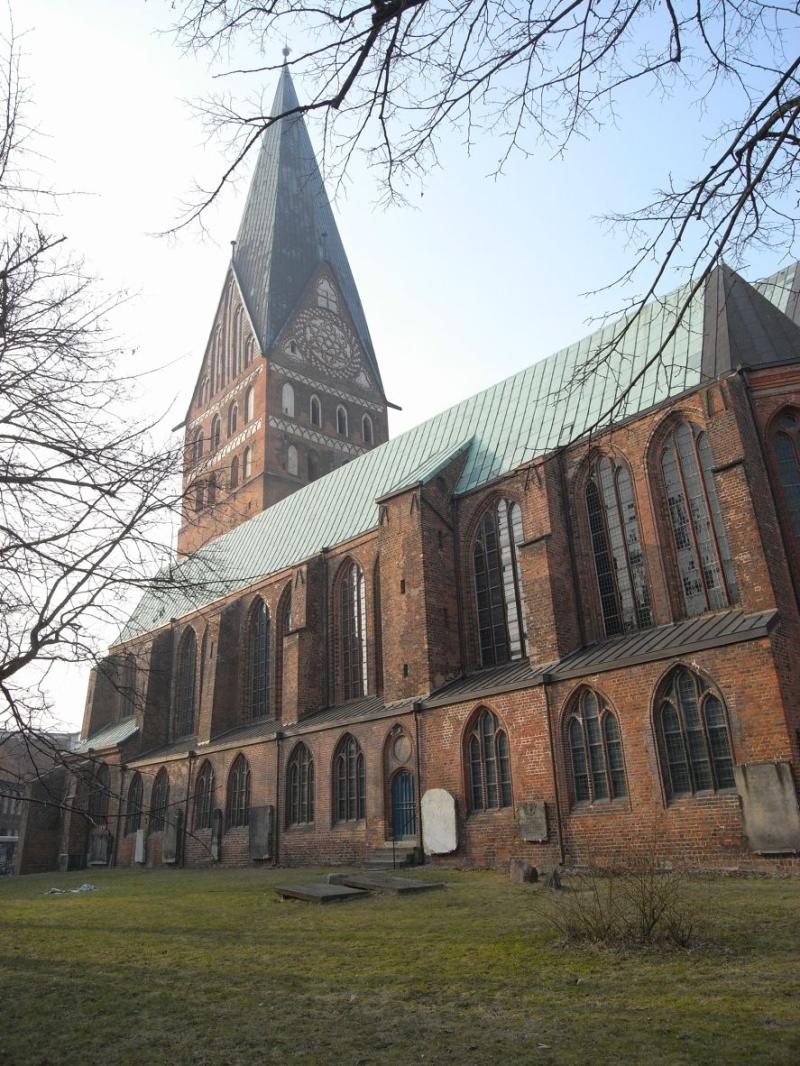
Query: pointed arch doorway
pixel 404 806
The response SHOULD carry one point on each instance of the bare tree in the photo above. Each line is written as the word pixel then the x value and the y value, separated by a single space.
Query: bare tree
pixel 393 76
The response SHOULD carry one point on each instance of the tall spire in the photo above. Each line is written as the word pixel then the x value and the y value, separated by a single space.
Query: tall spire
pixel 288 229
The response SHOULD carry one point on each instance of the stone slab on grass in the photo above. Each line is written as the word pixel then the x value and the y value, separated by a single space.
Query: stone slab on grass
pixel 384 883
pixel 319 893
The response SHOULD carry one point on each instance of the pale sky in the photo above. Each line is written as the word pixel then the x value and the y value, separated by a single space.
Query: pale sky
pixel 477 280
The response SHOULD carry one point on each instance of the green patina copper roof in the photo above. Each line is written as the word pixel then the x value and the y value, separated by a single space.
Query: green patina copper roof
pixel 551 403
pixel 288 230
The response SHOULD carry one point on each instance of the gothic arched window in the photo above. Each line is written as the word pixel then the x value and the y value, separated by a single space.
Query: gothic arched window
pixel 197 445
pixel 597 769
pixel 694 742
pixel 199 495
pixel 351 614
pixel 701 545
pixel 184 689
pixel 248 352
pixel 349 781
pixel 617 548
pixel 300 786
pixel 216 433
pixel 249 397
pixel 366 429
pixel 313 466
pixel 234 472
pixel 233 418
pixel 237 342
pixel 287 400
pixel 257 693
pixel 211 490
pixel 785 439
pixel 499 598
pixel 98 795
pixel 247 463
pixel 315 411
pixel 282 626
pixel 488 763
pixel 291 460
pixel 342 427
pixel 133 810
pixel 159 801
pixel 204 797
pixel 127 694
pixel 238 806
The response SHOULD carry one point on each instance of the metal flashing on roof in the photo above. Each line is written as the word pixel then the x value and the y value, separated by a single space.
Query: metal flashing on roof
pixel 109 736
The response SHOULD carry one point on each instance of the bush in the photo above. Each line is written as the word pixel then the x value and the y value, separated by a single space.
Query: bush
pixel 639 904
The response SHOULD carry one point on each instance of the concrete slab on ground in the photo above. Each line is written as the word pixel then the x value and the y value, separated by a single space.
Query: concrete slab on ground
pixel 383 883
pixel 319 893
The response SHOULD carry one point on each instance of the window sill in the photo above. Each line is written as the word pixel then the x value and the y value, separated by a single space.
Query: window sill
pixel 601 807
pixel 304 827
pixel 491 811
pixel 706 796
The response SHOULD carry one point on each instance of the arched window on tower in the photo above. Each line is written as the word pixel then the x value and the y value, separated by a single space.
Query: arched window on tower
pixel 300 787
pixel 257 673
pixel 199 495
pixel 315 411
pixel 133 811
pixel 366 429
pixel 349 781
pixel 488 763
pixel 287 400
pixel 216 432
pixel 184 688
pixel 234 482
pixel 597 769
pixel 313 466
pixel 197 446
pixel 351 616
pixel 499 598
pixel 617 548
pixel 237 343
pixel 238 805
pixel 127 694
pixel 701 545
pixel 211 490
pixel 291 460
pixel 694 742
pixel 249 397
pixel 248 352
pixel 247 463
pixel 220 354
pixel 159 801
pixel 204 797
pixel 233 419
pixel 342 427
pixel 785 440
pixel 326 296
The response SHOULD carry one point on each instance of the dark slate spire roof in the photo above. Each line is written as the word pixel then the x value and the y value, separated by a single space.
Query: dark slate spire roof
pixel 288 230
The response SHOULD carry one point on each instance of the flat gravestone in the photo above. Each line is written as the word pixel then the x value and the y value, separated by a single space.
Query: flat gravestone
pixel 439 831
pixel 383 883
pixel 316 893
pixel 532 821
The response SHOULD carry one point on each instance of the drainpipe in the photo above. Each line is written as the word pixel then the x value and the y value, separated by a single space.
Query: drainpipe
pixel 276 848
pixel 547 680
pixel 122 769
pixel 417 707
pixel 191 756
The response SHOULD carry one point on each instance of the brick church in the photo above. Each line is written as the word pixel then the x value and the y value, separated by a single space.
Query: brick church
pixel 505 633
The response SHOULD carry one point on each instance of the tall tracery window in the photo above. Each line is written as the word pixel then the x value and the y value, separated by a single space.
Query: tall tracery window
pixel 597 768
pixel 694 741
pixel 300 786
pixel 98 795
pixel 237 342
pixel 282 626
pixel 617 548
pixel 257 696
pixel 349 780
pixel 352 635
pixel 184 689
pixel 133 811
pixel 315 411
pixel 786 449
pixel 249 397
pixel 238 806
pixel 204 797
pixel 499 597
pixel 216 432
pixel 488 763
pixel 159 801
pixel 127 693
pixel 701 545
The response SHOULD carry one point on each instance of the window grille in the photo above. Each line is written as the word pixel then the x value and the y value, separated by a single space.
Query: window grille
pixel 249 398
pixel 133 813
pixel 184 694
pixel 258 661
pixel 234 472
pixel 786 449
pixel 247 464
pixel 282 624
pixel 349 781
pixel 159 800
pixel 595 751
pixel 341 421
pixel 233 419
pixel 488 763
pixel 300 786
pixel 216 433
pixel 352 632
pixel 499 597
pixel 693 737
pixel 197 446
pixel 316 411
pixel 238 811
pixel 204 797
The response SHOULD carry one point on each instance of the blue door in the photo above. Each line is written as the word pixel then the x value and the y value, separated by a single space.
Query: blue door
pixel 404 806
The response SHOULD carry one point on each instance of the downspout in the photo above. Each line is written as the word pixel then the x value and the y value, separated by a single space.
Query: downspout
pixel 191 755
pixel 787 553
pixel 276 849
pixel 417 707
pixel 546 680
pixel 122 769
pixel 327 626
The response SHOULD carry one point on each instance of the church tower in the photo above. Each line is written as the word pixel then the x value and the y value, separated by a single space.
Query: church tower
pixel 289 386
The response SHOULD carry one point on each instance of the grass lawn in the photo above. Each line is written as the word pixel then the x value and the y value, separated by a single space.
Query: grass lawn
pixel 209 968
